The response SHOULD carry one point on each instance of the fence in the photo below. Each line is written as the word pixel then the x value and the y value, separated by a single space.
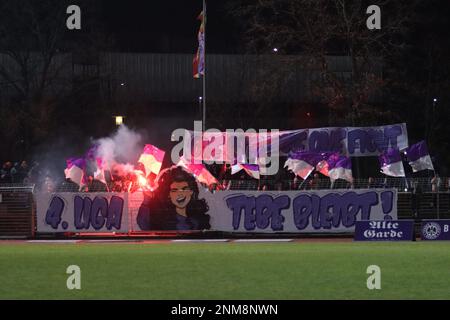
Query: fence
pixel 401 184
pixel 17 202
pixel 17 211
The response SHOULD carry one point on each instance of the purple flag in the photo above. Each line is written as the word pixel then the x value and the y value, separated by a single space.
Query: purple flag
pixel 75 170
pixel 390 156
pixel 329 162
pixel 251 169
pixel 313 158
pixel 340 168
pixel 302 163
pixel 391 163
pixel 418 157
pixel 78 162
pixel 341 162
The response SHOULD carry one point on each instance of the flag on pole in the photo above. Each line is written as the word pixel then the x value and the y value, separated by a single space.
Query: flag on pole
pixel 75 170
pixel 340 168
pixel 391 163
pixel 251 169
pixel 199 59
pixel 152 159
pixel 199 171
pixel 418 157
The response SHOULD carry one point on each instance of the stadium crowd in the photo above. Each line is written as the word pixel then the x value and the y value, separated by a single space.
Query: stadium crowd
pixel 17 172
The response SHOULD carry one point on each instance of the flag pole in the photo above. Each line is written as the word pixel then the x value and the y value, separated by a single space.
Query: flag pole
pixel 204 66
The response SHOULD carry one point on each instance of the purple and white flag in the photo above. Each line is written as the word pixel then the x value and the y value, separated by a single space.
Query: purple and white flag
pixel 100 175
pixel 235 168
pixel 302 163
pixel 251 169
pixel 391 163
pixel 75 170
pixel 199 171
pixel 340 168
pixel 323 165
pixel 418 157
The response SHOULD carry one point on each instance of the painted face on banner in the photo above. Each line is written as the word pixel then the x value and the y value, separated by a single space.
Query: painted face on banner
pixel 180 194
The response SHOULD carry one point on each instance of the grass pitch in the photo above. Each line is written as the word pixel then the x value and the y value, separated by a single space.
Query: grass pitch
pixel 417 270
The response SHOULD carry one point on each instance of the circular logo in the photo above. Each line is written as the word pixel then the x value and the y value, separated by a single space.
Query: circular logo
pixel 431 230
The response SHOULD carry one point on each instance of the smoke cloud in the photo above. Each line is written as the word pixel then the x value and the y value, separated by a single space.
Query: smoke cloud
pixel 121 149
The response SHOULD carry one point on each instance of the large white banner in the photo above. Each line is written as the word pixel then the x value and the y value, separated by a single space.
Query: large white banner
pixel 82 212
pixel 357 141
pixel 350 141
pixel 321 211
pixel 299 211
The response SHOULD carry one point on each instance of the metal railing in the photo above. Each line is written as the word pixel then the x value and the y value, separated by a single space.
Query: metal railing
pixel 14 187
pixel 414 185
pixel 401 184
pixel 18 214
pixel 17 210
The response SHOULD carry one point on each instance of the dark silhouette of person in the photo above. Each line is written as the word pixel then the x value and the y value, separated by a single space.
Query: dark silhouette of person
pixel 174 205
pixel 416 199
pixel 6 175
pixel 68 186
pixel 95 185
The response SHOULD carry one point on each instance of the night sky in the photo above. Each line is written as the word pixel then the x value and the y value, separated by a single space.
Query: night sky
pixel 167 26
pixel 163 26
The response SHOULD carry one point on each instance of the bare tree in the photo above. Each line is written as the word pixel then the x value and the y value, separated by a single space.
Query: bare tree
pixel 36 67
pixel 31 35
pixel 309 32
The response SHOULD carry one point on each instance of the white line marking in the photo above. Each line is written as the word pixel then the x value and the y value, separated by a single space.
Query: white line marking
pixel 201 240
pixel 263 240
pixel 53 241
